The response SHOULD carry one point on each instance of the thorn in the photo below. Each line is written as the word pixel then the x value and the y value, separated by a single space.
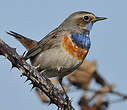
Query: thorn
pixel 50 102
pixel 26 80
pixel 21 75
pixel 23 56
pixel 24 53
pixel 33 87
pixel 12 66
pixel 30 83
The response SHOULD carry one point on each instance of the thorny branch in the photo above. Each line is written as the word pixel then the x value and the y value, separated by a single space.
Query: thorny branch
pixel 38 80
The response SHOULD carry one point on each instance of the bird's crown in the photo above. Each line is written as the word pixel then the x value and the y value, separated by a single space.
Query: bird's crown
pixel 79 20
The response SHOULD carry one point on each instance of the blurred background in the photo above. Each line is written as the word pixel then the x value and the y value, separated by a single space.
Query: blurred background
pixel 37 18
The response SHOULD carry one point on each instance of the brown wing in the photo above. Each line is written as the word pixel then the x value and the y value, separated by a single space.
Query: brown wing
pixel 44 44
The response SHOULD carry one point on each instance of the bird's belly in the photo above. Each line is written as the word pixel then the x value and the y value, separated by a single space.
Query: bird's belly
pixel 56 62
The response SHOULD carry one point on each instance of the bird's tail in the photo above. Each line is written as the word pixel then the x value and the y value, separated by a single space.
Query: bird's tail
pixel 27 42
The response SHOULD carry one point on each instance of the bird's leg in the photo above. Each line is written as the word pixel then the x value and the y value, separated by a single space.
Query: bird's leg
pixel 60 81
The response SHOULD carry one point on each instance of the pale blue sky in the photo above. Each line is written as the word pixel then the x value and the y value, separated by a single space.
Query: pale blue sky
pixel 36 18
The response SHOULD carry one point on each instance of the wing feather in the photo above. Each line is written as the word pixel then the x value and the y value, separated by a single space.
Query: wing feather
pixel 44 44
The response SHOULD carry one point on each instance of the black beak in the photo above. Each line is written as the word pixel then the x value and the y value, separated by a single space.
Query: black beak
pixel 99 18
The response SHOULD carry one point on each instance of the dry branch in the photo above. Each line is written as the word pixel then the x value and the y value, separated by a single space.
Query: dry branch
pixel 37 79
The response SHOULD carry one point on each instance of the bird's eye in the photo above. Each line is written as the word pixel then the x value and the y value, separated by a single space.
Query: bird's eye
pixel 86 18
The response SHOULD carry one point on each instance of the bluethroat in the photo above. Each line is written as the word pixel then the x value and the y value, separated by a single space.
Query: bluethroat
pixel 64 49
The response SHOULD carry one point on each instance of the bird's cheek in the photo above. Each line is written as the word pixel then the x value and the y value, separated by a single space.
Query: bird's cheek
pixel 89 26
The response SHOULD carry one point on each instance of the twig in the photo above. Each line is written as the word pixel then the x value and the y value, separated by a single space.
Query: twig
pixel 123 96
pixel 37 79
pixel 111 92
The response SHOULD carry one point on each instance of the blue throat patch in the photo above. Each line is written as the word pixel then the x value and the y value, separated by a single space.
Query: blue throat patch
pixel 89 26
pixel 81 40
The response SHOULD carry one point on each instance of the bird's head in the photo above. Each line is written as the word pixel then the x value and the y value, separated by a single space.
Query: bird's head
pixel 80 21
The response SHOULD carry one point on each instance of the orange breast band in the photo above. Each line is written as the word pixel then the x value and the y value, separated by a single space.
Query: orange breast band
pixel 73 49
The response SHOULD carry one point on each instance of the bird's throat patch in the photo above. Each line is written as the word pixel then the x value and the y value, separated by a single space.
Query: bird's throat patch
pixel 81 40
pixel 73 49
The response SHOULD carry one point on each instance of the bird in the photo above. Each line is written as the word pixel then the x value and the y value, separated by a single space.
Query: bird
pixel 64 49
